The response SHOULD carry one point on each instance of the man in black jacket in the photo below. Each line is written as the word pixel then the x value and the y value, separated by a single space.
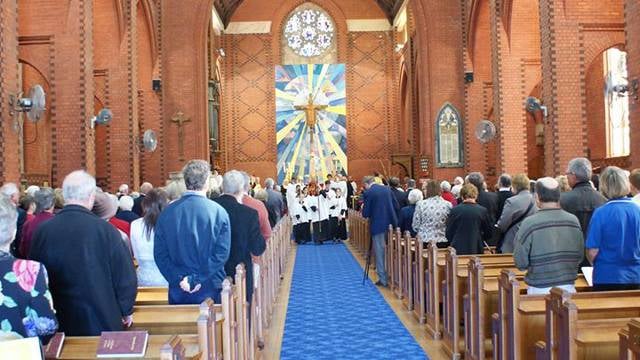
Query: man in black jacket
pixel 583 199
pixel 92 279
pixel 489 200
pixel 246 239
pixel 137 202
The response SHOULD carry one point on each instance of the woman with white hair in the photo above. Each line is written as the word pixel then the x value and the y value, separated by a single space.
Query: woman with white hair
pixel 407 212
pixel 430 218
pixel 28 310
pixel 613 240
pixel 445 187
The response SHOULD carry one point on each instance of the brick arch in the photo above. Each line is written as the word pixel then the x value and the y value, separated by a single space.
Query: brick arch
pixel 594 80
pixel 594 49
pixel 36 136
pixel 281 14
pixel 149 16
pixel 405 108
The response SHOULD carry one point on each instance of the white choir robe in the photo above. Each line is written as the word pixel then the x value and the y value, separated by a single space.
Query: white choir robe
pixel 291 194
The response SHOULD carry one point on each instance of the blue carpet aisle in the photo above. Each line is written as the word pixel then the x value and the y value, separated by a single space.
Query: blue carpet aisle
pixel 331 315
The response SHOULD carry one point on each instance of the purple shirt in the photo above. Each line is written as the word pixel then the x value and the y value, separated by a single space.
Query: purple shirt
pixel 29 229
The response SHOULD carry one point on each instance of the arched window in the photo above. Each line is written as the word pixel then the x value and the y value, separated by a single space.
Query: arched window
pixel 309 37
pixel 616 101
pixel 448 137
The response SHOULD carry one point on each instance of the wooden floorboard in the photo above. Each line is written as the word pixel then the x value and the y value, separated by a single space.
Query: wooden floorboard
pixel 275 332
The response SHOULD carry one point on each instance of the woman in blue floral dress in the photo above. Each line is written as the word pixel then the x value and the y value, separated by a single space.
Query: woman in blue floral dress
pixel 26 308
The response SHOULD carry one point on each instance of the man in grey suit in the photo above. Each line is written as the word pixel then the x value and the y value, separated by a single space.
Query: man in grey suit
pixel 516 209
pixel 274 201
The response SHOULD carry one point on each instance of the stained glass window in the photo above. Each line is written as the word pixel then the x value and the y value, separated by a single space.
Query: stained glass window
pixel 448 137
pixel 309 32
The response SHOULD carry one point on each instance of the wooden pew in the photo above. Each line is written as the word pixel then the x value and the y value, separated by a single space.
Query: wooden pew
pixel 481 301
pixel 392 255
pixel 207 340
pixel 629 346
pixel 436 262
pixel 455 280
pixel 523 320
pixel 586 324
pixel 152 296
pixel 207 331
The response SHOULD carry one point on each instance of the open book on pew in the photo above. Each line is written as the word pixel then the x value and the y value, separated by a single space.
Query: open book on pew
pixel 53 349
pixel 119 344
pixel 588 274
pixel 24 349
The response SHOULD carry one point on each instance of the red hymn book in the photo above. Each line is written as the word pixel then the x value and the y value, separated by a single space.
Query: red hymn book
pixel 122 344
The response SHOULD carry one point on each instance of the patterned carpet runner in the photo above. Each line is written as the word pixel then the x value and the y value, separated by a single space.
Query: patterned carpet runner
pixel 331 315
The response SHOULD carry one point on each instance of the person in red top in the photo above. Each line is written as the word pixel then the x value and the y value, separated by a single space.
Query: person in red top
pixel 45 200
pixel 445 187
pixel 105 207
pixel 257 205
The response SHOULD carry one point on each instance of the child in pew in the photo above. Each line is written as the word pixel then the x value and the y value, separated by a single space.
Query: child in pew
pixel 549 244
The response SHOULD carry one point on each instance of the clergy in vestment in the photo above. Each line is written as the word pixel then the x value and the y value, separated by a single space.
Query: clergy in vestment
pixel 91 275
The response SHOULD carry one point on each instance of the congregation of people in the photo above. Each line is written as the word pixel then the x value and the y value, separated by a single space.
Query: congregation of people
pixel 72 259
pixel 553 226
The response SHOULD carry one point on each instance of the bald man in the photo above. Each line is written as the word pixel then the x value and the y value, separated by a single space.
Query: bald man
pixel 549 244
pixel 92 278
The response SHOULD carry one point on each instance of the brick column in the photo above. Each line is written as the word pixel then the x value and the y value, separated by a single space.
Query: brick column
pixel 632 31
pixel 563 90
pixel 184 64
pixel 509 90
pixel 72 138
pixel 9 161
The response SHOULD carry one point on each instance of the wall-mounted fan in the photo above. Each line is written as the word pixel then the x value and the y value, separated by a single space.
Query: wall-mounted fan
pixel 534 105
pixel 150 140
pixel 34 105
pixel 104 117
pixel 485 131
pixel 615 85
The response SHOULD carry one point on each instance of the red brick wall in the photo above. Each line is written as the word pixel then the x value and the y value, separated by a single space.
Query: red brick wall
pixel 573 33
pixel 632 32
pixel 9 166
pixel 248 103
pixel 441 71
pixel 148 100
pixel 69 52
pixel 183 62
pixel 516 71
pixel 596 126
pixel 478 94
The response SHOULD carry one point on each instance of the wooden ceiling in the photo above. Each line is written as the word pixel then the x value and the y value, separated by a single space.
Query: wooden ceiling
pixel 226 8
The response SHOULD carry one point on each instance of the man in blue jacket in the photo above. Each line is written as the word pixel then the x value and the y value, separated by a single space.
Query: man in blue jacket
pixel 192 241
pixel 380 208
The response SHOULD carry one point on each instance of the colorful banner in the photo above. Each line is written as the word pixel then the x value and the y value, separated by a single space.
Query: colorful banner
pixel 311 121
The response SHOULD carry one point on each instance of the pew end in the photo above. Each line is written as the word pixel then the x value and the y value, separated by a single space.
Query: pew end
pixel 541 350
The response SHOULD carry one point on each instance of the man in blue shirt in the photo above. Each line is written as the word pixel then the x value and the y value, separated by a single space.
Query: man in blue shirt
pixel 192 241
pixel 380 208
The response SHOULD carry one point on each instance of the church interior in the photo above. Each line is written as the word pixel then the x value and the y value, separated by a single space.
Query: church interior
pixel 130 90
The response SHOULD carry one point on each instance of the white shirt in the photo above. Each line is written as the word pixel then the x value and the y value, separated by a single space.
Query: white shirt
pixel 148 272
pixel 636 199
